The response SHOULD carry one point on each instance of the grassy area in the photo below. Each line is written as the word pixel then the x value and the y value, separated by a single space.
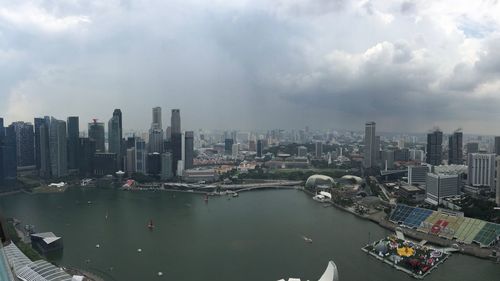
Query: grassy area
pixel 25 248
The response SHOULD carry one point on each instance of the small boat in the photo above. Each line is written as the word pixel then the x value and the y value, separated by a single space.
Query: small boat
pixel 206 198
pixel 331 273
pixel 160 273
pixel 139 250
pixel 307 239
pixel 235 194
pixel 97 246
pixel 106 216
pixel 151 225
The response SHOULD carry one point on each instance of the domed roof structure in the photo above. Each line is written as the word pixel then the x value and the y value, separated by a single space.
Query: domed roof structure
pixel 356 179
pixel 319 181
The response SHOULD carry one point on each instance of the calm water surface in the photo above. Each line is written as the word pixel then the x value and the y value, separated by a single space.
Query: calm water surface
pixel 257 236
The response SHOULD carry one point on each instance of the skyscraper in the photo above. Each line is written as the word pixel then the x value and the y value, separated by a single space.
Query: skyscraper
pixel 260 148
pixel 228 146
pixel 175 121
pixel 434 147
pixel 157 124
pixel 86 155
pixel 455 155
pixel 166 166
pixel 58 148
pixel 25 144
pixel 140 156
pixel 8 157
pixel 318 149
pixel 497 197
pixel 96 133
pixel 496 148
pixel 123 150
pixel 176 139
pixel 114 135
pixel 73 141
pixel 44 128
pixel 481 170
pixel 2 129
pixel 370 150
pixel 118 114
pixel 189 149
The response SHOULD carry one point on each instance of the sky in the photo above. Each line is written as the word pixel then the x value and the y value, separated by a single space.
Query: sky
pixel 407 65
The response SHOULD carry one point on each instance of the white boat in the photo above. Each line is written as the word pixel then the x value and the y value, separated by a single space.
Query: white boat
pixel 331 274
pixel 307 239
pixel 321 198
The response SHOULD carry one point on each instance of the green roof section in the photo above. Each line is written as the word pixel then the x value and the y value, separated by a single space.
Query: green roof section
pixel 488 234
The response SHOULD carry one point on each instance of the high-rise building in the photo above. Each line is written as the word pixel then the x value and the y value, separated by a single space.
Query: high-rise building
pixel 318 149
pixel 104 164
pixel 439 186
pixel 455 155
pixel 417 155
pixel 434 147
pixel 260 148
pixel 73 142
pixel 8 157
pixel 302 151
pixel 44 130
pixel 235 150
pixel 140 156
pixel 153 164
pixel 2 129
pixel 417 175
pixel 130 166
pixel 189 149
pixel 166 166
pixel 96 133
pixel 472 147
pixel 114 136
pixel 175 121
pixel 58 148
pixel 228 146
pixel 25 144
pixel 86 153
pixel 481 170
pixel 496 148
pixel 168 133
pixel 497 197
pixel 370 150
pixel 176 139
pixel 402 155
pixel 388 159
pixel 156 124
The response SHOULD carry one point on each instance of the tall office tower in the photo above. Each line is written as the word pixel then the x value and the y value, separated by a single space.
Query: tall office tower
pixel 39 122
pixel 235 150
pixel 25 143
pixel 118 114
pixel 175 123
pixel 176 139
pixel 155 140
pixel 402 155
pixel 96 133
pixel 416 155
pixel 302 151
pixel 370 150
pixel 318 149
pixel 73 142
pixel 8 157
pixel 496 148
pixel 114 136
pixel 189 149
pixel 2 136
pixel 153 164
pixel 168 133
pixel 481 170
pixel 388 159
pixel 439 186
pixel 252 145
pixel 228 146
pixel 86 152
pixel 417 175
pixel 44 129
pixel 58 144
pixel 434 147
pixel 497 198
pixel 455 155
pixel 260 148
pixel 157 124
pixel 166 166
pixel 130 161
pixel 472 147
pixel 140 156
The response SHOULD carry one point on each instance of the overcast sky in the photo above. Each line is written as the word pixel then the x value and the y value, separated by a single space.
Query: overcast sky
pixel 408 65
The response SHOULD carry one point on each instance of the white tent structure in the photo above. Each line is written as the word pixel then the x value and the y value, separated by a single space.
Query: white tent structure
pixel 331 274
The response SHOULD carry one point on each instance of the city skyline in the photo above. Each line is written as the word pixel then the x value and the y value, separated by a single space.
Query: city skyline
pixel 408 64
